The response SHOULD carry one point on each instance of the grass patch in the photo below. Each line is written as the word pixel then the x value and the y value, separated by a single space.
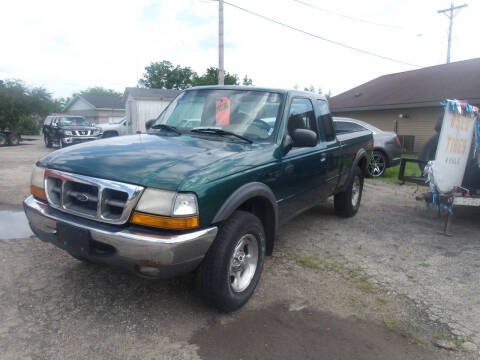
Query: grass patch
pixel 312 262
pixel 391 174
pixel 356 274
pixel 409 332
pixel 382 299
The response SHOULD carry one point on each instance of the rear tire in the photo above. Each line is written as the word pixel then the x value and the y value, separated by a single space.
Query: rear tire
pixel 347 202
pixel 14 139
pixel 233 265
pixel 3 139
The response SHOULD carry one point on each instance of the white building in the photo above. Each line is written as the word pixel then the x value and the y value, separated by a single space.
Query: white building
pixel 97 108
pixel 143 104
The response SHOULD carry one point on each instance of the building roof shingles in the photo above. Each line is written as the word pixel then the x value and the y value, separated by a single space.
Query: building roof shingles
pixel 458 80
pixel 104 101
pixel 151 93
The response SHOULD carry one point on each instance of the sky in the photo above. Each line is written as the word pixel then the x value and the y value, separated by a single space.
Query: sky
pixel 67 46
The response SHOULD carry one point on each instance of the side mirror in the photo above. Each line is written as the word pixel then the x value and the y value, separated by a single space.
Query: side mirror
pixel 304 138
pixel 124 123
pixel 149 123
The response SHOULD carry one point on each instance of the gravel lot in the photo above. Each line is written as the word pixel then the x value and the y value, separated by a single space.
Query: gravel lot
pixel 382 285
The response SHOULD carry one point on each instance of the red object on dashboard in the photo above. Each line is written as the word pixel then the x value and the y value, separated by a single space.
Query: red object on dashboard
pixel 222 111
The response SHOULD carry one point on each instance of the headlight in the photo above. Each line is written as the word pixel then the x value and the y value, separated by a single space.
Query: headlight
pixel 67 132
pixel 37 184
pixel 185 204
pixel 167 210
pixel 155 201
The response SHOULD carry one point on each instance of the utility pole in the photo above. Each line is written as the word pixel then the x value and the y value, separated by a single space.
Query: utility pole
pixel 221 70
pixel 450 16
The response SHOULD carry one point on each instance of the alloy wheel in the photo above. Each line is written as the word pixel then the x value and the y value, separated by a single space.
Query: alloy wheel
pixel 377 164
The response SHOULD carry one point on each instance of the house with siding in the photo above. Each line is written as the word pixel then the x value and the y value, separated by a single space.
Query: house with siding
pixel 143 104
pixel 409 102
pixel 98 108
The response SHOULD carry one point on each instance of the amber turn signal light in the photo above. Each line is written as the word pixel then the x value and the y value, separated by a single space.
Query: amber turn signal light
pixel 164 222
pixel 38 192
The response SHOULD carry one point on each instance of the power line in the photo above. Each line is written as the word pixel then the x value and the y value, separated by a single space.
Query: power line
pixel 395 27
pixel 347 16
pixel 320 37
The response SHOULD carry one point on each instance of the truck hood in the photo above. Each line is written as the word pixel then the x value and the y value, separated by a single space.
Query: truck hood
pixel 143 159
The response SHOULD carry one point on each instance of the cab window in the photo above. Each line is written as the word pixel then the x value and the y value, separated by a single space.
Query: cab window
pixel 301 116
pixel 345 127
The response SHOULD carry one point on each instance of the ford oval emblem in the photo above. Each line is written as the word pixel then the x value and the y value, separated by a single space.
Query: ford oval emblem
pixel 82 197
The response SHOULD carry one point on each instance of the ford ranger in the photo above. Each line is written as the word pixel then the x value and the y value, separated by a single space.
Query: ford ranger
pixel 204 190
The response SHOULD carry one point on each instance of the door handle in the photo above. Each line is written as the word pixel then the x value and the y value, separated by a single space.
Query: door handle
pixel 323 157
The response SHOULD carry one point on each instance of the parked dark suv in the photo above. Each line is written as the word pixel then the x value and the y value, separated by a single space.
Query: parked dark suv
pixel 67 130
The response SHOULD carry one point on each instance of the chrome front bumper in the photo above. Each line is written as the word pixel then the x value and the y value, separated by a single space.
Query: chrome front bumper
pixel 79 139
pixel 147 252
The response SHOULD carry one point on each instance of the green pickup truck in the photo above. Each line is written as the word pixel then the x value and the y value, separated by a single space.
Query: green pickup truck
pixel 204 190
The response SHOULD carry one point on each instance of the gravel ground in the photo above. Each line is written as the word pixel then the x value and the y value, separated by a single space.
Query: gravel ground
pixel 395 240
pixel 335 288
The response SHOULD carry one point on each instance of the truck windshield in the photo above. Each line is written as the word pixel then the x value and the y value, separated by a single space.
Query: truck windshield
pixel 74 121
pixel 251 114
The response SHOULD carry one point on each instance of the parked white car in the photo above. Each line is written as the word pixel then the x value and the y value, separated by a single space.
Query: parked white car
pixel 114 128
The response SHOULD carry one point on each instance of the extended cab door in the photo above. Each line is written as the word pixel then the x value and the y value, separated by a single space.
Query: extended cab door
pixel 303 171
pixel 329 142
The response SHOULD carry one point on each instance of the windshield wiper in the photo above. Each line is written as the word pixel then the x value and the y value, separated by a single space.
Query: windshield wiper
pixel 166 127
pixel 215 131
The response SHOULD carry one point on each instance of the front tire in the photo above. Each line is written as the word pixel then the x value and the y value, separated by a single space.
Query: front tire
pixel 233 265
pixel 47 142
pixel 3 139
pixel 347 202
pixel 108 134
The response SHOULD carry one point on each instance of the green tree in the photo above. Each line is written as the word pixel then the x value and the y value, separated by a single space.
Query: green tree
pixel 21 108
pixel 164 75
pixel 211 78
pixel 99 90
pixel 247 81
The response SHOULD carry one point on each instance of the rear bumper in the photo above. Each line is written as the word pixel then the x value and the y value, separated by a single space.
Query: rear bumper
pixel 148 253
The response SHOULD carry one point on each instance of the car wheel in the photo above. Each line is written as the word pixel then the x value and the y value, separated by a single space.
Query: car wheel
pixel 3 140
pixel 347 202
pixel 377 165
pixel 232 267
pixel 47 142
pixel 108 134
pixel 14 139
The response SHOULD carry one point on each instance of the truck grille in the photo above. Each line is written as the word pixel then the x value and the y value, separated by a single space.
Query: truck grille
pixel 82 132
pixel 103 200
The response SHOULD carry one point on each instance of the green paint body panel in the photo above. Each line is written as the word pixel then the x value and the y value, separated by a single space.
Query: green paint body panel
pixel 214 167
